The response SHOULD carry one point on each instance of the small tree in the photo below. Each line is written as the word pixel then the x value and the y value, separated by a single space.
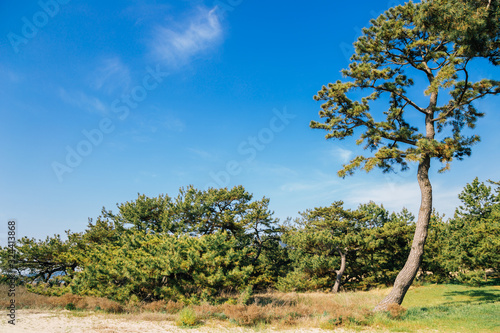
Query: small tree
pixel 474 237
pixel 394 48
pixel 324 235
pixel 43 260
pixel 386 244
pixel 332 247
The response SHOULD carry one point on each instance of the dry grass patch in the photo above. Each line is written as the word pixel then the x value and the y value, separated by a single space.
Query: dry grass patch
pixel 150 316
pixel 26 299
pixel 75 302
pixel 248 315
pixel 395 311
pixel 261 309
pixel 301 310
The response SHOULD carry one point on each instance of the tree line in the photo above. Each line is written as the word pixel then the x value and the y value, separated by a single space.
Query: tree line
pixel 206 243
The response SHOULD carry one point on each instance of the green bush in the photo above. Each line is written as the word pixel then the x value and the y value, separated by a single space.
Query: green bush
pixel 153 267
pixel 474 278
pixel 70 306
pixel 187 318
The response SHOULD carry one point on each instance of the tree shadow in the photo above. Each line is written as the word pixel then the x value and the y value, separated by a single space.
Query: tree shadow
pixel 476 296
pixel 265 300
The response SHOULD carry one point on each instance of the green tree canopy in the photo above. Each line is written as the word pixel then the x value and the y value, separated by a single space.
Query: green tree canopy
pixel 322 238
pixel 474 235
pixel 197 245
pixel 333 246
pixel 474 25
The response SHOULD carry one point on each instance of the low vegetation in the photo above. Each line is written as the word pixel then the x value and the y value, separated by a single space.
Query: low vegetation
pixel 448 307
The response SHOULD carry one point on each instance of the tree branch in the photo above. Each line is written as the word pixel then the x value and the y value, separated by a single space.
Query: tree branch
pixel 406 99
pixel 447 113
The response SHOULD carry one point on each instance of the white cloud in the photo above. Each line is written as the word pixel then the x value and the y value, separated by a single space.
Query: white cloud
pixel 394 196
pixel 83 101
pixel 111 75
pixel 314 187
pixel 311 191
pixel 344 155
pixel 198 34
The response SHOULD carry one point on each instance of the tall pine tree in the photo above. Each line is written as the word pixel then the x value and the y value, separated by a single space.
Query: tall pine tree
pixel 396 48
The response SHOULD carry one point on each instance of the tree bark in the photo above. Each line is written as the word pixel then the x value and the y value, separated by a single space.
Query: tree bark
pixel 410 269
pixel 340 272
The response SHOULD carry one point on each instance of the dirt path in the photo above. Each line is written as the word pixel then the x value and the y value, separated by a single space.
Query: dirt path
pixel 63 321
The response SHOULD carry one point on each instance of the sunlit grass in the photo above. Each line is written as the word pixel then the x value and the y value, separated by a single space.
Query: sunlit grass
pixel 448 308
pixel 443 294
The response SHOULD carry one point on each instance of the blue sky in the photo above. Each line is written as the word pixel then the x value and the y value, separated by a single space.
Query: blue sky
pixel 155 95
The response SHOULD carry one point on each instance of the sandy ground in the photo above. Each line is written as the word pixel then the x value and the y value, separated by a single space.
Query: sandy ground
pixel 36 321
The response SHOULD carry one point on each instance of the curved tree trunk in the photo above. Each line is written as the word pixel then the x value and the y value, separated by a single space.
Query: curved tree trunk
pixel 410 269
pixel 340 272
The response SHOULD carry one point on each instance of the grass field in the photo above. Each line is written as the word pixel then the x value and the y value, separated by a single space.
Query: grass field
pixel 448 308
pixel 442 308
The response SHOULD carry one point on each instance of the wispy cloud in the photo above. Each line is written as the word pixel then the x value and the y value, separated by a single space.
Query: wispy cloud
pixel 314 186
pixel 275 170
pixel 201 153
pixel 197 34
pixel 313 183
pixel 308 190
pixel 394 196
pixel 146 129
pixel 343 155
pixel 142 12
pixel 174 124
pixel 83 101
pixel 167 119
pixel 12 76
pixel 111 75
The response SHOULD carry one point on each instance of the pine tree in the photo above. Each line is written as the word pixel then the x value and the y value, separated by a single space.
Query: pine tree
pixel 474 236
pixel 396 48
pixel 325 235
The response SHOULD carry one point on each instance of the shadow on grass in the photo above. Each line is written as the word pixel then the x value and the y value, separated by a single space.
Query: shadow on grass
pixel 265 300
pixel 477 296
